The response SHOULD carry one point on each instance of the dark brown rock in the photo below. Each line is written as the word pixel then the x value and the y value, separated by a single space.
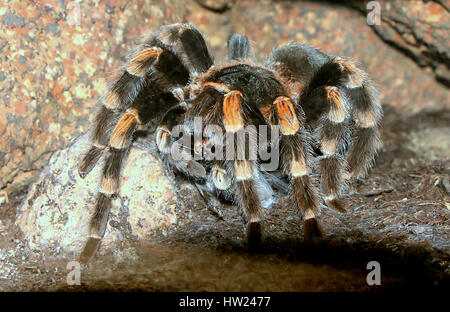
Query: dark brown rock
pixel 419 29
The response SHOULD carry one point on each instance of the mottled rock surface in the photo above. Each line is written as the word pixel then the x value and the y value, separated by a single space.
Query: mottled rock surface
pixel 420 30
pixel 56 213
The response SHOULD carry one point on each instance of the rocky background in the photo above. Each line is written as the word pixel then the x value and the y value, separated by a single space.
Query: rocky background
pixel 55 60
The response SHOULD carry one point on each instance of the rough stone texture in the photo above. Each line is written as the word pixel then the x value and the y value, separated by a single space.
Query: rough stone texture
pixel 420 29
pixel 56 213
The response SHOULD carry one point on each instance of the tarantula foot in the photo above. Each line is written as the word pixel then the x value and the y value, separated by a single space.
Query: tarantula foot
pixel 336 204
pixel 90 249
pixel 312 229
pixel 254 235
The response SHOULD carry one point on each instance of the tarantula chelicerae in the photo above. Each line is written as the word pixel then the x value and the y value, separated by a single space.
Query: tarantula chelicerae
pixel 325 108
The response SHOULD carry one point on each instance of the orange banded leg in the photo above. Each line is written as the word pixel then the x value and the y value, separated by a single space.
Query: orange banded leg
pixel 295 157
pixel 367 113
pixel 295 147
pixel 249 201
pixel 232 111
pixel 332 138
pixel 109 188
pixel 139 64
pixel 100 133
pixel 353 76
pixel 129 83
pixel 337 104
pixel 287 116
pixel 124 129
pixel 119 142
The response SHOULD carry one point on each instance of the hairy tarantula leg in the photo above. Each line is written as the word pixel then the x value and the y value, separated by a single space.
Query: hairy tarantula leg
pixel 295 154
pixel 367 113
pixel 233 120
pixel 124 130
pixel 337 104
pixel 100 135
pixel 332 137
pixel 238 47
pixel 244 167
pixel 122 93
pixel 341 77
pixel 108 189
pixel 352 76
pixel 89 160
pixel 166 57
pixel 119 142
pixel 249 201
pixel 287 116
pixel 337 72
pixel 332 134
pixel 141 62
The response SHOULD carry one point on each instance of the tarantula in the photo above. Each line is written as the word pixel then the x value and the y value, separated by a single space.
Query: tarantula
pixel 324 107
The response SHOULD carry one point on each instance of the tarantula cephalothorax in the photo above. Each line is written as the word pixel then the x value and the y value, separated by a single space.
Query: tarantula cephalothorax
pixel 325 108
